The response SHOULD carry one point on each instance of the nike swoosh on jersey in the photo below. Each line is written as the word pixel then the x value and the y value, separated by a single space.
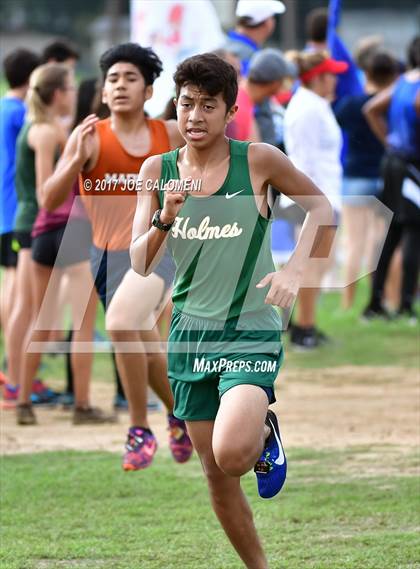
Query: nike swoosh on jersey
pixel 229 196
pixel 280 459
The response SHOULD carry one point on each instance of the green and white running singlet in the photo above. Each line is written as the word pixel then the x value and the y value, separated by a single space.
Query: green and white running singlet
pixel 222 334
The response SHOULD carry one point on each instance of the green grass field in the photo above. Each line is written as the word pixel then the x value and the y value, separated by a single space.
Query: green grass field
pixel 359 343
pixel 80 510
pixel 340 509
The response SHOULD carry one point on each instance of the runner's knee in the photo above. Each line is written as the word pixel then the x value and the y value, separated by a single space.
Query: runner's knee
pixel 217 480
pixel 117 321
pixel 154 358
pixel 123 335
pixel 234 459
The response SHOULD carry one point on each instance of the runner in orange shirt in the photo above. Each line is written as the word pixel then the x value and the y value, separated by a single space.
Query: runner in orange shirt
pixel 108 155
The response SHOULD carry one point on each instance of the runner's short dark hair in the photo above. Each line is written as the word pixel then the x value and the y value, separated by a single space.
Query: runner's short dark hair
pixel 247 22
pixel 144 58
pixel 316 25
pixel 382 67
pixel 59 51
pixel 18 66
pixel 210 73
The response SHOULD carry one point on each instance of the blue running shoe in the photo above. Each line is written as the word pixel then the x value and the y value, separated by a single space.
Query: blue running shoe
pixel 120 403
pixel 42 394
pixel 271 468
pixel 66 400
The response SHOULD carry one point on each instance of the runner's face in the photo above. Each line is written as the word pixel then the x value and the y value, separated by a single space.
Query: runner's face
pixel 124 89
pixel 66 96
pixel 201 117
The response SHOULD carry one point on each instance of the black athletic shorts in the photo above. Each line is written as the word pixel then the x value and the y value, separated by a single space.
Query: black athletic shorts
pixel 22 240
pixel 108 270
pixel 51 249
pixel 110 267
pixel 395 171
pixel 8 257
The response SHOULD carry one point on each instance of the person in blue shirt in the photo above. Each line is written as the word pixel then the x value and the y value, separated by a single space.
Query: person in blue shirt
pixel 361 169
pixel 394 116
pixel 17 66
pixel 255 24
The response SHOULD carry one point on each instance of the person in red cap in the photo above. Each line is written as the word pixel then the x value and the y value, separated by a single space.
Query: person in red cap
pixel 313 143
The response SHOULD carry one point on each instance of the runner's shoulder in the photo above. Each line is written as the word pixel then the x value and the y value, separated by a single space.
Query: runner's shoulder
pixel 44 130
pixel 43 135
pixel 263 157
pixel 152 166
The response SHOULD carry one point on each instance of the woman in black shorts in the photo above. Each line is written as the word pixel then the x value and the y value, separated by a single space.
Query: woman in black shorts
pixel 60 242
pixel 47 91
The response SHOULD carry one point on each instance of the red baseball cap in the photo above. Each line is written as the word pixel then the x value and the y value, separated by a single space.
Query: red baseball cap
pixel 329 65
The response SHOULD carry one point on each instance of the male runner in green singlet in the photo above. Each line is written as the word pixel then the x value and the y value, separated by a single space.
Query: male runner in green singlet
pixel 224 343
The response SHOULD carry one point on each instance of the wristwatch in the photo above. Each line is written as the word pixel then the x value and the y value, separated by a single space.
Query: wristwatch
pixel 157 222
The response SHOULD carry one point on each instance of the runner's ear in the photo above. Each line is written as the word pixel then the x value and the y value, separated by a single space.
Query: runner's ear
pixel 104 101
pixel 230 115
pixel 148 92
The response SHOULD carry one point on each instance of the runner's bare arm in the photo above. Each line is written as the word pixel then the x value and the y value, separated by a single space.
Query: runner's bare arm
pixel 273 167
pixel 175 138
pixel 44 141
pixel 417 103
pixel 375 113
pixel 146 247
pixel 77 152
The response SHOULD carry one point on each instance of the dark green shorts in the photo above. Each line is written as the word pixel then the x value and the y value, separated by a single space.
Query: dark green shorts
pixel 207 358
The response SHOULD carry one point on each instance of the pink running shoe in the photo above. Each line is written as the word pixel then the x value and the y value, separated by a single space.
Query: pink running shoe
pixel 10 396
pixel 141 447
pixel 3 378
pixel 179 441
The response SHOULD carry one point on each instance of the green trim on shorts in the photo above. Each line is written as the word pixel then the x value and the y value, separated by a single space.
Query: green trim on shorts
pixel 15 245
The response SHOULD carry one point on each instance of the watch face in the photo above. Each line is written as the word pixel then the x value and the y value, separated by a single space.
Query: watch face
pixel 155 219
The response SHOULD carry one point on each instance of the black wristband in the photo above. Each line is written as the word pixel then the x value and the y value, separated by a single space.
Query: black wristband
pixel 156 222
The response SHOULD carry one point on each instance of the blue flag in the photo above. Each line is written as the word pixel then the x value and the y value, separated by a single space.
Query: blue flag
pixel 349 83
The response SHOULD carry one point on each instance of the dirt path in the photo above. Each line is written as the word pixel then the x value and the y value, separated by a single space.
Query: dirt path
pixel 327 408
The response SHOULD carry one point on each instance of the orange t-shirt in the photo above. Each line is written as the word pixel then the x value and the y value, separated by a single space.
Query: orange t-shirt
pixel 109 189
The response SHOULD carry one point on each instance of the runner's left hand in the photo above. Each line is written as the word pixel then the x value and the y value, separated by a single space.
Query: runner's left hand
pixel 284 286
